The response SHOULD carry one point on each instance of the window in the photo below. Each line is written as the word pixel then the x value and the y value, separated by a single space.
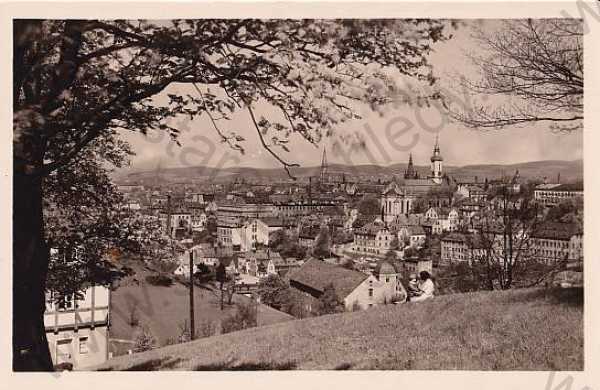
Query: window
pixel 83 345
pixel 370 292
pixel 65 303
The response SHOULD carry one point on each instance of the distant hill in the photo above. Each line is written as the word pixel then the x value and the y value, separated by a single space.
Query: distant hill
pixel 522 329
pixel 568 170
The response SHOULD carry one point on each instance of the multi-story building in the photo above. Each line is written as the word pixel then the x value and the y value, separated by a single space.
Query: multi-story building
pixel 556 242
pixel 374 239
pixel 460 248
pixel 553 194
pixel 239 208
pixel 253 232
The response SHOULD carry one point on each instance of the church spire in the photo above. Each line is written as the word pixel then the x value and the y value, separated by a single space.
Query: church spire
pixel 324 165
pixel 410 172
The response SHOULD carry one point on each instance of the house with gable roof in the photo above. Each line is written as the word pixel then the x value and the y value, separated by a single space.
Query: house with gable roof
pixel 354 289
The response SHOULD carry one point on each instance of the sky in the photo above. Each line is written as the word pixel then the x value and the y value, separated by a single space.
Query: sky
pixel 389 138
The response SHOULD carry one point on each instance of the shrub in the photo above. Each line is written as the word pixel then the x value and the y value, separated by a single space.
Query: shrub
pixel 184 332
pixel 159 280
pixel 144 340
pixel 329 302
pixel 206 329
pixel 244 317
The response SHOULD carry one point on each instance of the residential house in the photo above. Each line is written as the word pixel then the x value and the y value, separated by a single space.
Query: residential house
pixel 77 327
pixel 443 219
pixel 308 236
pixel 260 263
pixel 354 289
pixel 413 236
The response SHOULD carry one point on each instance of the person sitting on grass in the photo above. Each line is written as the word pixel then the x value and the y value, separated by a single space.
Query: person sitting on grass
pixel 413 287
pixel 426 288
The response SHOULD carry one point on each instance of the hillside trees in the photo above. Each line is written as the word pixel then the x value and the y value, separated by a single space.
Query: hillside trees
pixel 77 81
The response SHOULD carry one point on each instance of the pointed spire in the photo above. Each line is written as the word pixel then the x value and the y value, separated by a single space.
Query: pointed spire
pixel 324 165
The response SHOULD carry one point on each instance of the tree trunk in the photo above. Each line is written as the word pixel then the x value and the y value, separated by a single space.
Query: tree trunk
pixel 30 266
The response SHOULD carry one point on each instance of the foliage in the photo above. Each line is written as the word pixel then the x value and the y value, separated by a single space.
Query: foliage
pixel 185 333
pixel 206 329
pixel 274 291
pixel 244 317
pixel 221 274
pixel 323 243
pixel 391 255
pixel 349 264
pixel 369 205
pixel 160 280
pixel 329 302
pixel 569 210
pixel 144 340
pixel 410 252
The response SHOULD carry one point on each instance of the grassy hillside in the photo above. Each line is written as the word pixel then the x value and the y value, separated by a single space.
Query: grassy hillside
pixel 517 330
pixel 163 309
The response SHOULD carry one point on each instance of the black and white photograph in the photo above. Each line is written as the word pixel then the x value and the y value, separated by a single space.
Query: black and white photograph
pixel 268 194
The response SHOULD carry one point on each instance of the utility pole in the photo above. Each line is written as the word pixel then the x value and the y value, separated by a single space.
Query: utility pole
pixel 192 325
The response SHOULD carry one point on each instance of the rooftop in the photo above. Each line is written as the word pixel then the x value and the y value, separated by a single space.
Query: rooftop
pixel 317 274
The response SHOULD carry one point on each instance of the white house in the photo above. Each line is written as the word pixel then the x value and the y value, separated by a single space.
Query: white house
pixel 77 327
pixel 357 290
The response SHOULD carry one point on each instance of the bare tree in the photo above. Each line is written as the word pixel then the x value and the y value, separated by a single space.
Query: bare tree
pixel 535 70
pixel 506 239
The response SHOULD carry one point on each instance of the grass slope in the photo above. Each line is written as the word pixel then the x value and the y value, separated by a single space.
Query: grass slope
pixel 515 330
pixel 163 309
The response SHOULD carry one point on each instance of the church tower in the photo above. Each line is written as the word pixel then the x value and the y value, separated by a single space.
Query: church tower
pixel 436 163
pixel 410 172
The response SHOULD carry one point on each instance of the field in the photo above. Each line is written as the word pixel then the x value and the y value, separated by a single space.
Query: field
pixel 164 309
pixel 530 329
